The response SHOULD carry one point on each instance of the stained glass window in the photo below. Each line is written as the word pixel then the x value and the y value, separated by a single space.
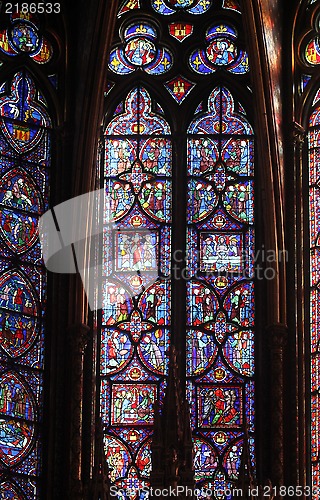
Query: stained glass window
pixel 308 52
pixel 314 225
pixel 220 304
pixel 152 149
pixel 25 160
pixel 136 296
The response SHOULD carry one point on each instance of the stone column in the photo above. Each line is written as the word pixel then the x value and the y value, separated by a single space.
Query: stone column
pixel 277 340
pixel 78 337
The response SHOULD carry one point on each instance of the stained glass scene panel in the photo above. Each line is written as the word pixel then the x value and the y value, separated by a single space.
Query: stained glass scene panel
pixel 135 331
pixel 24 160
pixel 314 226
pixel 24 37
pixel 220 301
pixel 139 52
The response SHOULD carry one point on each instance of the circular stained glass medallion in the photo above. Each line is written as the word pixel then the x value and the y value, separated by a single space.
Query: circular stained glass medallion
pixel 140 51
pixel 24 38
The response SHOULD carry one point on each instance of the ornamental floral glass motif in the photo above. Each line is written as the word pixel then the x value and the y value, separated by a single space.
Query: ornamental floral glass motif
pixel 25 158
pixel 213 167
pixel 314 226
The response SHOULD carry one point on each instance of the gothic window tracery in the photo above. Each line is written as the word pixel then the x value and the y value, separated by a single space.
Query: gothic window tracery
pixel 144 169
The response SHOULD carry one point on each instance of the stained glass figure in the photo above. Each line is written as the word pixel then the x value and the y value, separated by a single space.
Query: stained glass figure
pixel 221 51
pixel 143 459
pixel 220 304
pixel 140 52
pixel 219 406
pixel 201 351
pixel 205 458
pixel 25 157
pixel 23 37
pixel 221 252
pixel 117 457
pixel 135 333
pixel 232 459
pixel 179 88
pixel 314 225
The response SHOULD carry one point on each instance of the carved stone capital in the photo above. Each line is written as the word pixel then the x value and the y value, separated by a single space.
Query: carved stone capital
pixel 299 135
pixel 78 336
pixel 100 145
pixel 61 133
pixel 278 335
pixel 172 449
pixel 277 342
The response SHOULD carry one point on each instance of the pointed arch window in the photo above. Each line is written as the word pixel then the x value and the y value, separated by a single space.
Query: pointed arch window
pixel 220 303
pixel 25 160
pixel 136 314
pixel 178 176
pixel 308 106
pixel 314 197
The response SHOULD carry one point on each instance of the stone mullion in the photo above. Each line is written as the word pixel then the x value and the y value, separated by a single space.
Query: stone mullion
pixel 278 337
pixel 78 337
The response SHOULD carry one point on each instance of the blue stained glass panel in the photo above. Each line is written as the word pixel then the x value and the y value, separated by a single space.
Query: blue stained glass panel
pixel 25 157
